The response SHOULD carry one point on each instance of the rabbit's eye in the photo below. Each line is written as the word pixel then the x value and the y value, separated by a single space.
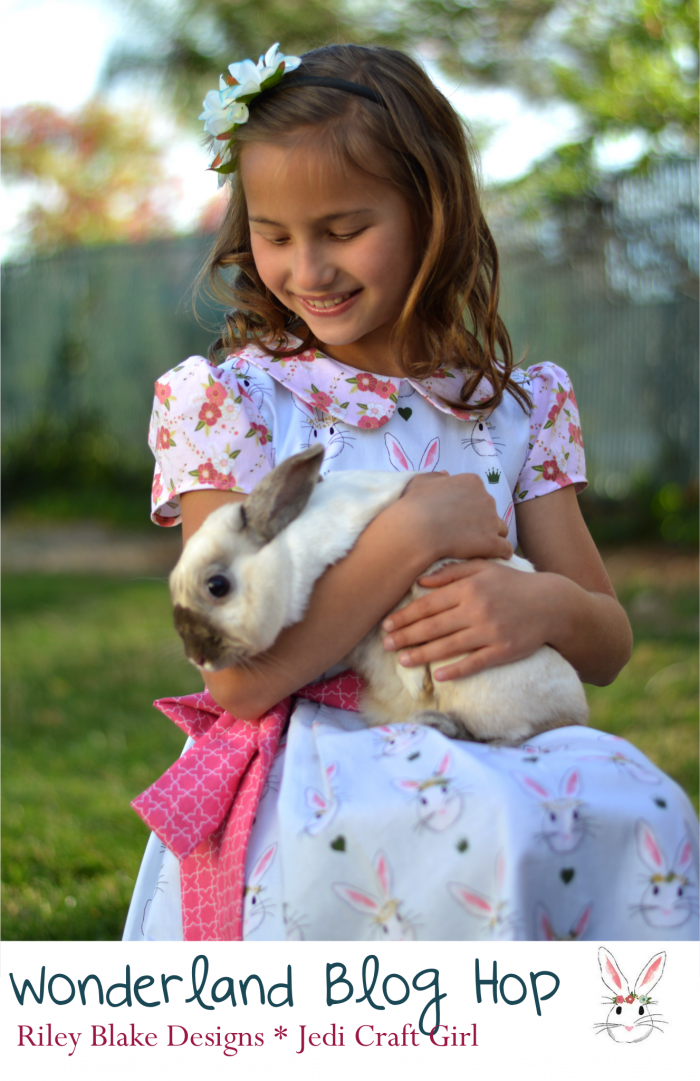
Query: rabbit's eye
pixel 575 815
pixel 680 891
pixel 423 800
pixel 641 1010
pixel 443 789
pixel 655 890
pixel 552 816
pixel 618 1010
pixel 218 585
pixel 481 427
pixel 331 431
pixel 254 900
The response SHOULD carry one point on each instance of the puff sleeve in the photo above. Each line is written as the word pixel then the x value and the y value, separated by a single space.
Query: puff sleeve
pixel 555 447
pixel 205 432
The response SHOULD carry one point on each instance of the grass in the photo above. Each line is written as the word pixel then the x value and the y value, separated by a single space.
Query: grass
pixel 85 656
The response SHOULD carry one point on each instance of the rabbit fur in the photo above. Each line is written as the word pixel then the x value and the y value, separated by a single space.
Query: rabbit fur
pixel 249 572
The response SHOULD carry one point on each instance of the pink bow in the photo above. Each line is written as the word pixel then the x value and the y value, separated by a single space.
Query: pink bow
pixel 203 807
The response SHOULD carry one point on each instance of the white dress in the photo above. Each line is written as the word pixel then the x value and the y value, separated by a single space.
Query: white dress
pixel 399 832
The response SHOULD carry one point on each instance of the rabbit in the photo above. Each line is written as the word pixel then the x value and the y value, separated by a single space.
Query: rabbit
pixel 255 906
pixel 249 571
pixel 630 1019
pixel 388 922
pixel 564 823
pixel 666 900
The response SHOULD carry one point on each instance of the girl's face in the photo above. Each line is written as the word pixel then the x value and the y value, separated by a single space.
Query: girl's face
pixel 334 244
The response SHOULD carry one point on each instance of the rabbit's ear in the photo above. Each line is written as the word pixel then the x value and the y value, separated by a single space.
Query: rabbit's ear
pixel 544 923
pixel 444 766
pixel 281 496
pixel 406 786
pixel 531 786
pixel 357 899
pixel 431 456
pixel 684 857
pixel 570 783
pixel 383 872
pixel 332 771
pixel 315 801
pixel 651 973
pixel 397 455
pixel 474 902
pixel 581 924
pixel 262 865
pixel 648 848
pixel 610 972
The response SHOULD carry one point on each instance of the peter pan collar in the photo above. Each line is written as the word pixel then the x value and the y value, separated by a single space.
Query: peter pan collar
pixel 355 397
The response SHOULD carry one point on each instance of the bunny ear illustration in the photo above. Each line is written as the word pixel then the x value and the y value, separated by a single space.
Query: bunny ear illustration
pixel 651 973
pixel 357 899
pixel 406 786
pixel 543 923
pixel 332 771
pixel 431 456
pixel 579 928
pixel 315 801
pixel 444 767
pixel 383 872
pixel 531 786
pixel 610 972
pixel 683 858
pixel 262 865
pixel 570 783
pixel 648 848
pixel 475 903
pixel 500 871
pixel 397 455
pixel 508 515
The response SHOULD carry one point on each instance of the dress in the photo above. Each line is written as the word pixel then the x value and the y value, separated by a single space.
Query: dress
pixel 399 832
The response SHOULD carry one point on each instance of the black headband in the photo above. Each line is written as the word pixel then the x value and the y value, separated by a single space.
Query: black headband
pixel 331 83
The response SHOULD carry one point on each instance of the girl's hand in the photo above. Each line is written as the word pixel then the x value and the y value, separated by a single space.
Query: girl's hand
pixel 454 516
pixel 490 612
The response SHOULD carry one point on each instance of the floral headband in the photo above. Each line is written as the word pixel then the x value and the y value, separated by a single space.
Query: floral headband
pixel 643 1000
pixel 226 109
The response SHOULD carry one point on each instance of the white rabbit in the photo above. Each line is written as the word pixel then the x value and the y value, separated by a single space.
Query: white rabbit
pixel 388 922
pixel 255 907
pixel 249 571
pixel 437 804
pixel 564 824
pixel 666 901
pixel 630 1019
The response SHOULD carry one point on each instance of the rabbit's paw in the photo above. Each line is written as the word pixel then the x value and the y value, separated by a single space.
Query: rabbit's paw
pixel 442 721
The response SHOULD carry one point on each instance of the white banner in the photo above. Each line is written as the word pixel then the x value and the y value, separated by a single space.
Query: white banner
pixel 525 1009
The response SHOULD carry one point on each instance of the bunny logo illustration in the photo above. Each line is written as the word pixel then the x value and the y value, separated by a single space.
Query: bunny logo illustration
pixel 666 901
pixel 324 808
pixel 491 913
pixel 387 920
pixel 401 461
pixel 322 429
pixel 564 824
pixel 481 440
pixel 437 804
pixel 394 739
pixel 544 928
pixel 255 906
pixel 631 1018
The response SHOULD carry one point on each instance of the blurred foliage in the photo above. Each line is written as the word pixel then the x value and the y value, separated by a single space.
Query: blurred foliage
pixel 648 512
pixel 71 470
pixel 99 175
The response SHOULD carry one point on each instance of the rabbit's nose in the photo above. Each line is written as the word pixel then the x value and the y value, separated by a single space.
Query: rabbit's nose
pixel 629 1027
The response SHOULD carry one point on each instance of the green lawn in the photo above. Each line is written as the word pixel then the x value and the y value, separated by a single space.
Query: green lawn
pixel 85 657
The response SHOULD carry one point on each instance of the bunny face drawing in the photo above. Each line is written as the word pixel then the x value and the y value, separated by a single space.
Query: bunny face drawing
pixel 401 461
pixel 320 429
pixel 491 912
pixel 255 904
pixel 249 387
pixel 323 806
pixel 387 920
pixel 564 823
pixel 482 439
pixel 395 739
pixel 438 806
pixel 667 900
pixel 631 1018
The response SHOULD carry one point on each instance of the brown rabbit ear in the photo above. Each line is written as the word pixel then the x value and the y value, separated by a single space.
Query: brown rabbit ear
pixel 282 495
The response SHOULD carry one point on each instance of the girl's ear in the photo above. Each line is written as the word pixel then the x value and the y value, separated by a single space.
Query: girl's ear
pixel 281 496
pixel 610 972
pixel 650 974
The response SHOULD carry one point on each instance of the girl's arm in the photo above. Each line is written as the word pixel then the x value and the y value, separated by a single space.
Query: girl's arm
pixel 437 515
pixel 494 614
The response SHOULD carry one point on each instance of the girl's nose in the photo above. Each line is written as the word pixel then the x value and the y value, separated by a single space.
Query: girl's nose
pixel 312 270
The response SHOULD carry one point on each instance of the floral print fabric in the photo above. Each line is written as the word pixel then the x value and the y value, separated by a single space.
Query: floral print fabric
pixel 224 427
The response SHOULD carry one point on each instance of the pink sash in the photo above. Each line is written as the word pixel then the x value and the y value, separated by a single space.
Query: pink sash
pixel 203 807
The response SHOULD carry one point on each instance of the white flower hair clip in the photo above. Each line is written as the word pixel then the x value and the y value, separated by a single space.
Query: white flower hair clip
pixel 226 109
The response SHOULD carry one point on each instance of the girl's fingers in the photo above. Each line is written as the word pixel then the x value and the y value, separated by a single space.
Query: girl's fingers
pixel 422 608
pixel 451 572
pixel 442 649
pixel 432 629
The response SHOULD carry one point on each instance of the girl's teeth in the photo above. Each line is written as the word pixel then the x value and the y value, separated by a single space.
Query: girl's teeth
pixel 328 303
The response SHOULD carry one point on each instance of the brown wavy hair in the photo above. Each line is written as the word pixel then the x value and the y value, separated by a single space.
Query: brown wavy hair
pixel 420 144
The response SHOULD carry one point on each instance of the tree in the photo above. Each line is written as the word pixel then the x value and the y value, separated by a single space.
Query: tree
pixel 98 175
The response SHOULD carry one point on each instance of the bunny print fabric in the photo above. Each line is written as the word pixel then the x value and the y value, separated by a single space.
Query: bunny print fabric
pixel 399 832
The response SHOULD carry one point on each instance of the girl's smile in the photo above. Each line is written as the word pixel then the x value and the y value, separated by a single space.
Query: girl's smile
pixel 334 244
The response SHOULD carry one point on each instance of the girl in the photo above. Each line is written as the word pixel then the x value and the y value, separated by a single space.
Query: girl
pixel 360 247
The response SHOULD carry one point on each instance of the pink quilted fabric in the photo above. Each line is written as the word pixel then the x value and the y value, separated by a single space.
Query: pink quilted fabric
pixel 203 807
